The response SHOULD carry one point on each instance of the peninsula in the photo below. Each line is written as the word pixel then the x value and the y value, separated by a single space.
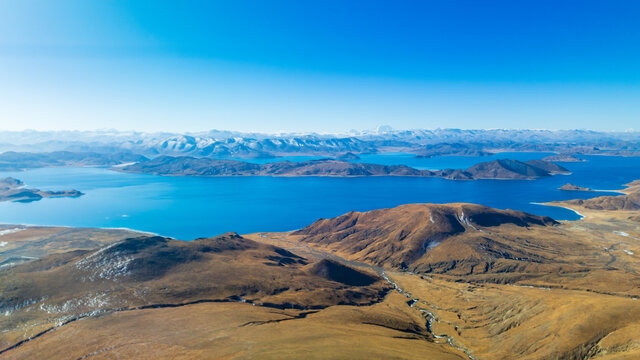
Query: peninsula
pixel 12 189
pixel 18 161
pixel 628 202
pixel 190 166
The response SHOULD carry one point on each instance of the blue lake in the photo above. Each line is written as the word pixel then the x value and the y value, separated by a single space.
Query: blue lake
pixel 191 207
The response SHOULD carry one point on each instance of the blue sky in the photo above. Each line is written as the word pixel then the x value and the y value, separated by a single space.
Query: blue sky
pixel 326 66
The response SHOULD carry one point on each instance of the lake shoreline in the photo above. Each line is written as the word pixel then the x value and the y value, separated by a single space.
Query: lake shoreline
pixel 189 207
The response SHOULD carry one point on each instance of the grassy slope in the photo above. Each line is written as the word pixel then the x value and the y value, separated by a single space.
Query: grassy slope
pixel 154 306
pixel 551 292
pixel 578 300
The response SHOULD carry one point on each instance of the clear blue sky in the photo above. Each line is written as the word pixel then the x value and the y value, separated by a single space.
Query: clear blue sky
pixel 319 65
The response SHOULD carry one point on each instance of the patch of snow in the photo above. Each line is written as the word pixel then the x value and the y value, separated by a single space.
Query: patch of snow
pixel 465 221
pixel 622 233
pixel 9 309
pixel 125 164
pixel 433 244
pixel 532 287
pixel 95 301
pixel 10 231
pixel 3 243
pixel 105 266
pixel 628 252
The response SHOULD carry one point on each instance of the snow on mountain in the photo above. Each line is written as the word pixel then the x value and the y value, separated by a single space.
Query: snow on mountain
pixel 216 143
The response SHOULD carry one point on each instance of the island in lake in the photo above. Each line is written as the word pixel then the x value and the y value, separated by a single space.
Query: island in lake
pixel 571 187
pixel 12 189
pixel 563 158
pixel 190 166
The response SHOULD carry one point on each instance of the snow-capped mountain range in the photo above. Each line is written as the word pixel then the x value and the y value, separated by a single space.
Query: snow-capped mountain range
pixel 251 145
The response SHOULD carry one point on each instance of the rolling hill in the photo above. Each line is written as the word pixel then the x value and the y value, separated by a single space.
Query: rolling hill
pixel 441 281
pixel 87 302
pixel 461 239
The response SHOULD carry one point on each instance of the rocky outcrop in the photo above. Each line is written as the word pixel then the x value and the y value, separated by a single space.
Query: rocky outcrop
pixel 571 187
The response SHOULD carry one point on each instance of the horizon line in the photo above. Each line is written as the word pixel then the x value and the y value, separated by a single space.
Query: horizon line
pixel 388 129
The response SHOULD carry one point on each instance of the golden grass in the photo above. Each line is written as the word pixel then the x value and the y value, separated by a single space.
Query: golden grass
pixel 579 301
pixel 568 291
pixel 499 321
pixel 242 331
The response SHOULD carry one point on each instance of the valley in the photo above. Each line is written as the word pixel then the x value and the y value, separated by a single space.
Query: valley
pixel 435 280
pixel 575 296
pixel 441 180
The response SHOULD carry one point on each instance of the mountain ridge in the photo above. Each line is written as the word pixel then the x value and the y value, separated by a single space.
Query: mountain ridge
pixel 424 142
pixel 189 166
pixel 427 237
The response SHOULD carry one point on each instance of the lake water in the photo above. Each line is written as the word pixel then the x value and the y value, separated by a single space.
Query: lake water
pixel 191 207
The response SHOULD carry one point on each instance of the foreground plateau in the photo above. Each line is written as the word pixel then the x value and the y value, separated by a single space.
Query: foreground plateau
pixel 439 281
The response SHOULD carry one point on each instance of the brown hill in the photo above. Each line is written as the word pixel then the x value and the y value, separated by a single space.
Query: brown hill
pixel 186 166
pixel 548 166
pixel 227 296
pixel 156 271
pixel 331 167
pixel 458 238
pixel 189 166
pixel 501 284
pixel 514 169
pixel 26 243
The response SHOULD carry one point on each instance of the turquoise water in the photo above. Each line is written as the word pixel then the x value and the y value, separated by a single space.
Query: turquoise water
pixel 191 207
